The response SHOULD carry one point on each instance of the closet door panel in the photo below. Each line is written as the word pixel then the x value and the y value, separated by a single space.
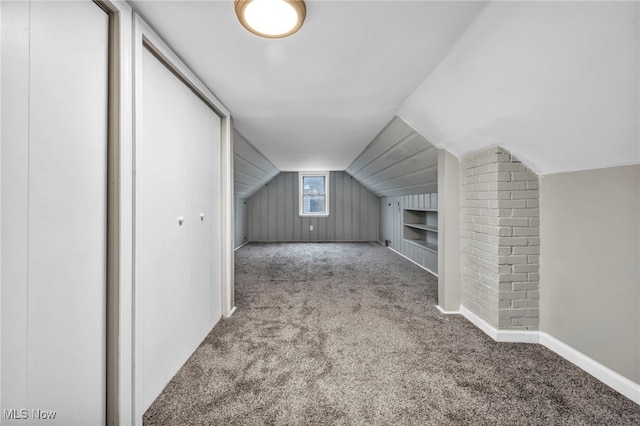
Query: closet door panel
pixel 199 183
pixel 164 243
pixel 175 261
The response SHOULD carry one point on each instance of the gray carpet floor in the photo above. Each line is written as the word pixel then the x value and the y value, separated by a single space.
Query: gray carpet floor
pixel 349 334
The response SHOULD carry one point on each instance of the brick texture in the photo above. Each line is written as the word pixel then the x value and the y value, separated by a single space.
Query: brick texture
pixel 500 239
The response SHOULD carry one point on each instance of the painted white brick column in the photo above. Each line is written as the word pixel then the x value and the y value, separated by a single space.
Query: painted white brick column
pixel 500 239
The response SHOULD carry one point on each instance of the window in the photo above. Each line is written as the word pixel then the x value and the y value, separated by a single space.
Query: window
pixel 314 193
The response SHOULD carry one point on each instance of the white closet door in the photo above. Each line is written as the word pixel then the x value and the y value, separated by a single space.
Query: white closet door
pixel 200 183
pixel 174 172
pixel 163 197
pixel 67 211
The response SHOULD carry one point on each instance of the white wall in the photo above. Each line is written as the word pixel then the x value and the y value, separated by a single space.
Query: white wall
pixel 589 270
pixel 555 83
pixel 54 161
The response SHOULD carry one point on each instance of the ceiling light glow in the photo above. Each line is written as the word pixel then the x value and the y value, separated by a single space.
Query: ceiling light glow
pixel 271 18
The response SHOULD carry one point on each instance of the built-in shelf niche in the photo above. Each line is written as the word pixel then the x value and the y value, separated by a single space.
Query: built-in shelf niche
pixel 420 227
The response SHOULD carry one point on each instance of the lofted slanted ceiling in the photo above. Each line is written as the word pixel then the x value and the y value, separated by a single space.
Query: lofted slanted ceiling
pixel 399 161
pixel 315 100
pixel 555 83
pixel 251 169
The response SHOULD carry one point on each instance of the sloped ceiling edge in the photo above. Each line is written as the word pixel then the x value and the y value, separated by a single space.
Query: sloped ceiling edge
pixel 251 169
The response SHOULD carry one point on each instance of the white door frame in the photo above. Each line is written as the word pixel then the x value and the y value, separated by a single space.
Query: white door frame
pixel 145 38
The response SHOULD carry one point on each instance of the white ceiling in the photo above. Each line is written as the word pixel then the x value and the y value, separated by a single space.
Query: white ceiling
pixel 555 83
pixel 315 100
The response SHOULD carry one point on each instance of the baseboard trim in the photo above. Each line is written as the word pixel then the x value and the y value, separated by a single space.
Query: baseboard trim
pixel 513 336
pixel 238 248
pixel 414 262
pixel 479 322
pixel 518 336
pixel 311 241
pixel 606 375
pixel 447 312
pixel 231 312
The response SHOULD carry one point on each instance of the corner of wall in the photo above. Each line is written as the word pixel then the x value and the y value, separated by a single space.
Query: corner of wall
pixel 449 276
pixel 499 237
pixel 590 236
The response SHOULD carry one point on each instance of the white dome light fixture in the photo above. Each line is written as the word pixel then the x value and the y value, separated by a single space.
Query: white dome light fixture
pixel 271 18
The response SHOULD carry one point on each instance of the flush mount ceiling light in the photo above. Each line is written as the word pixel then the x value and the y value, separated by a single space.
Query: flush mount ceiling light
pixel 271 18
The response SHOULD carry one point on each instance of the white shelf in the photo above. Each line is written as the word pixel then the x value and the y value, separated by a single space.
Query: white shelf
pixel 421 226
pixel 425 245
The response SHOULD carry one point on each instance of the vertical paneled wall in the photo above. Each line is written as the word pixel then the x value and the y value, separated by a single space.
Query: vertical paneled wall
pixel 399 161
pixel 53 202
pixel 241 234
pixel 251 169
pixel 391 227
pixel 273 212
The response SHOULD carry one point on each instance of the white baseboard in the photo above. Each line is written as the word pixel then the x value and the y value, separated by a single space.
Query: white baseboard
pixel 520 336
pixel 231 312
pixel 447 312
pixel 238 248
pixel 606 375
pixel 479 322
pixel 414 262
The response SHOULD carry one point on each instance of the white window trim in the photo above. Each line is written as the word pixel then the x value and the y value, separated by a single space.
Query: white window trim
pixel 301 176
